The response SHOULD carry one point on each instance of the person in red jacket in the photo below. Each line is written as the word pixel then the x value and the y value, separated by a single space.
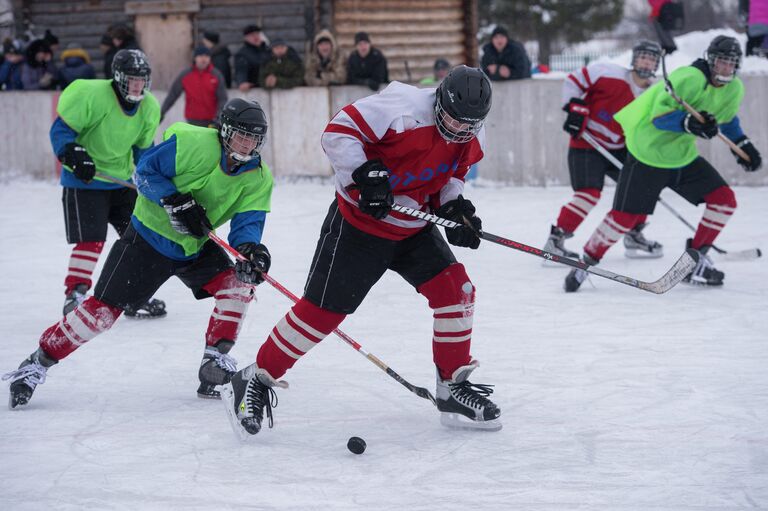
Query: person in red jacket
pixel 204 88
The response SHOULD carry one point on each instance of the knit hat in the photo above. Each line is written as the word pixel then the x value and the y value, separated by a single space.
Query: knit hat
pixel 362 36
pixel 441 64
pixel 278 41
pixel 201 50
pixel 211 36
pixel 500 30
pixel 250 29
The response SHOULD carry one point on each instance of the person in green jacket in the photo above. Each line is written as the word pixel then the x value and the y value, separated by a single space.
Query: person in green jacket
pixel 196 180
pixel 102 126
pixel 661 140
pixel 284 70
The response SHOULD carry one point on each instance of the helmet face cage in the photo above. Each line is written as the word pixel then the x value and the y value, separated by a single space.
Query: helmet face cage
pixel 637 54
pixel 457 131
pixel 123 81
pixel 237 138
pixel 729 58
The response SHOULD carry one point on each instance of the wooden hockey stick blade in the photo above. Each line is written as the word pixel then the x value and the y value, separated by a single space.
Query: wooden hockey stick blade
pixel 679 270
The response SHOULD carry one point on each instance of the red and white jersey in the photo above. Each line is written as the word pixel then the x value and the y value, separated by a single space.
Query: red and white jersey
pixel 397 126
pixel 606 88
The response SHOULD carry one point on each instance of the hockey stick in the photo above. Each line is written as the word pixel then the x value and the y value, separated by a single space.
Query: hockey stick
pixel 107 177
pixel 419 391
pixel 680 101
pixel 750 253
pixel 675 274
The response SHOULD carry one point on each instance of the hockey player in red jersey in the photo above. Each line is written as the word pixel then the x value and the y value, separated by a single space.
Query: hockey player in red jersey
pixel 408 146
pixel 591 97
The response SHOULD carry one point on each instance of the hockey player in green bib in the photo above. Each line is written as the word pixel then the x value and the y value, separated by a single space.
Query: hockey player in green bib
pixel 197 179
pixel 661 139
pixel 102 126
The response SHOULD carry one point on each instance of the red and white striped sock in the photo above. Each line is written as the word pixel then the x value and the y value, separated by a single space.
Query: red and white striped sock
pixel 85 322
pixel 82 262
pixel 232 300
pixel 451 296
pixel 721 203
pixel 615 225
pixel 299 331
pixel 573 213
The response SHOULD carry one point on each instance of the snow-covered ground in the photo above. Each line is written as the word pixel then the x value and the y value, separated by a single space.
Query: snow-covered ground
pixel 612 398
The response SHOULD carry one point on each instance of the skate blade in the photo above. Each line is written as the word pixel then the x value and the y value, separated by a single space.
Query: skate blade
pixel 209 396
pixel 633 253
pixel 146 315
pixel 228 398
pixel 458 421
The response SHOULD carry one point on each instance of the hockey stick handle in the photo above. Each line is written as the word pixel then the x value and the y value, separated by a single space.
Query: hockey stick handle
pixel 419 391
pixel 107 177
pixel 616 163
pixel 680 101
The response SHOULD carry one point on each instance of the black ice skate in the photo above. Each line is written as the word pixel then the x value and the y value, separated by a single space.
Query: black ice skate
pixel 29 375
pixel 638 247
pixel 577 276
pixel 151 309
pixel 464 405
pixel 216 368
pixel 74 298
pixel 705 273
pixel 556 244
pixel 246 397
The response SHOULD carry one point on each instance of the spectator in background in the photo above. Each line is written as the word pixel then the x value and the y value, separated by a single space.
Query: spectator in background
pixel 122 38
pixel 52 40
pixel 325 61
pixel 219 56
pixel 366 65
pixel 39 71
pixel 250 57
pixel 505 58
pixel 76 64
pixel 284 70
pixel 204 89
pixel 439 71
pixel 10 69
pixel 757 28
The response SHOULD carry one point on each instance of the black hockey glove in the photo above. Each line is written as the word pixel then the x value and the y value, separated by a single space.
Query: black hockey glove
pixel 186 215
pixel 258 263
pixel 706 130
pixel 578 112
pixel 461 210
pixel 755 160
pixel 376 199
pixel 77 158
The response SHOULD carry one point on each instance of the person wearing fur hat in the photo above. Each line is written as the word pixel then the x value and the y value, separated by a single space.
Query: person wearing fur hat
pixel 39 71
pixel 505 58
pixel 76 64
pixel 325 61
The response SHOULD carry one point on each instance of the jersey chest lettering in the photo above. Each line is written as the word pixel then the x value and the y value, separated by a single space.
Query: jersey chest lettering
pixel 406 179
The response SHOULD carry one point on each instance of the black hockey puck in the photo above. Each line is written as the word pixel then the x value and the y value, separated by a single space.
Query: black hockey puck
pixel 356 445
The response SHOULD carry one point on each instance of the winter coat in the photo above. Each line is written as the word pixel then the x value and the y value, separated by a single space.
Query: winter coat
pixel 38 75
pixel 77 64
pixel 248 62
pixel 320 72
pixel 10 76
pixel 370 71
pixel 289 70
pixel 513 55
pixel 205 93
pixel 220 57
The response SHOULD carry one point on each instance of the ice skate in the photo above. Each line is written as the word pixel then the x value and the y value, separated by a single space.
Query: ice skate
pixel 74 298
pixel 556 245
pixel 638 247
pixel 29 375
pixel 465 405
pixel 247 396
pixel 577 276
pixel 151 309
pixel 216 368
pixel 705 273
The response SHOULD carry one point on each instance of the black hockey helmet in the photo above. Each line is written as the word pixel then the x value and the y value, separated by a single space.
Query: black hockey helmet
pixel 649 49
pixel 243 129
pixel 462 101
pixel 726 50
pixel 130 65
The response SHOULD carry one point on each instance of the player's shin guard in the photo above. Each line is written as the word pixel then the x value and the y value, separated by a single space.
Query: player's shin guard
pixel 82 262
pixel 85 322
pixel 721 203
pixel 573 213
pixel 613 227
pixel 451 295
pixel 299 331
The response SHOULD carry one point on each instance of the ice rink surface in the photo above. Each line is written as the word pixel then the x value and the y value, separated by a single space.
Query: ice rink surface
pixel 612 398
